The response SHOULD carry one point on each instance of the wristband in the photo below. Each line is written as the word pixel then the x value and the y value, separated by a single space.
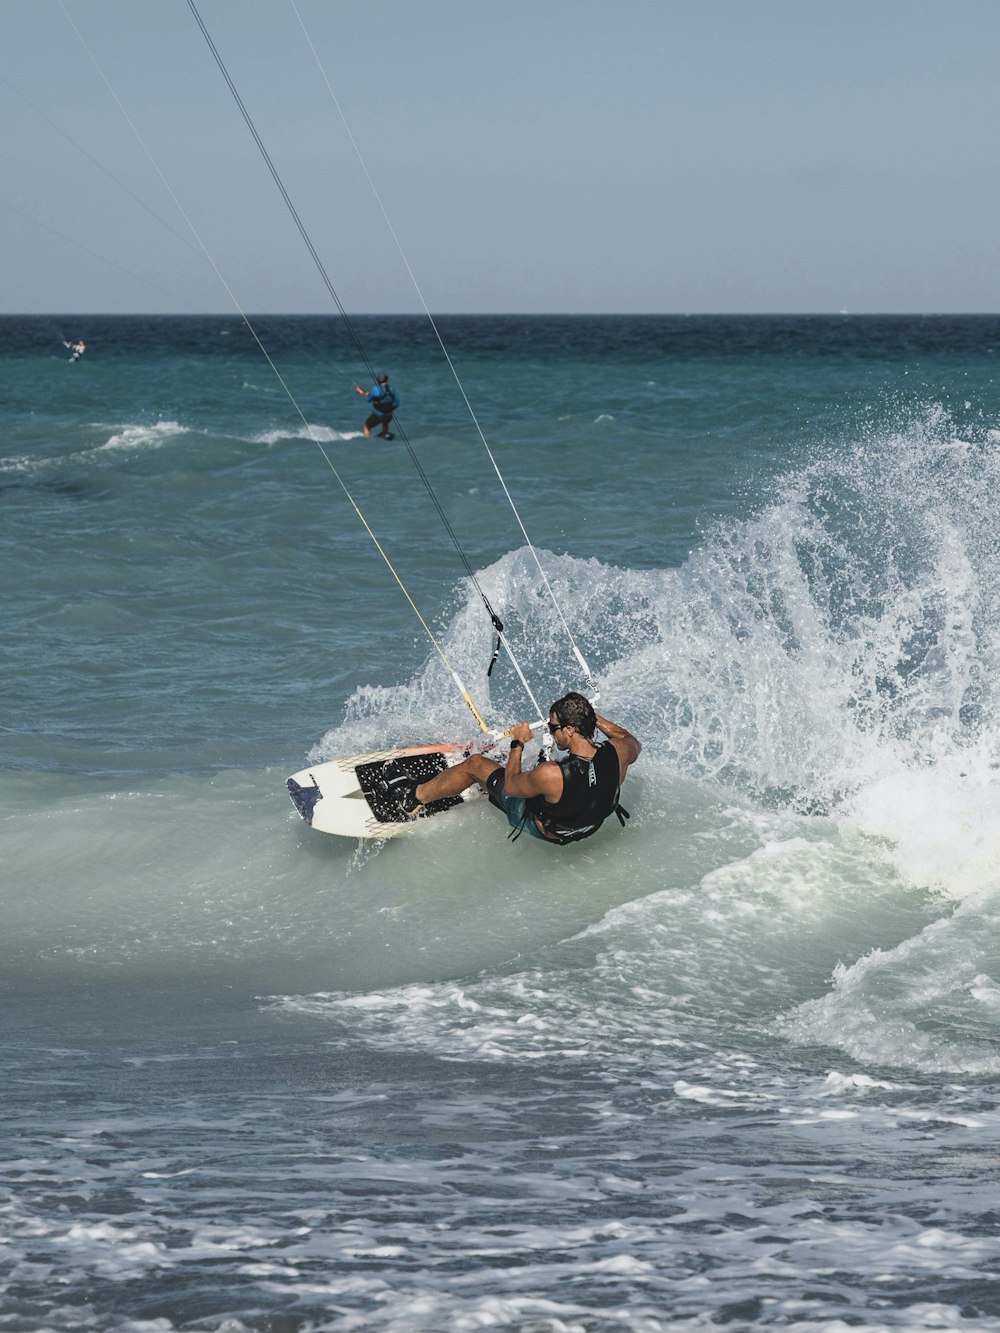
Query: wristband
pixel 517 745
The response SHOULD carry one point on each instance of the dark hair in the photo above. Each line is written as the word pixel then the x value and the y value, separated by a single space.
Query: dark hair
pixel 574 710
pixel 383 378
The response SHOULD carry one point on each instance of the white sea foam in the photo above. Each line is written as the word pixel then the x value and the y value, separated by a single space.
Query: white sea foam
pixel 133 437
pixel 318 434
pixel 142 436
pixel 940 820
pixel 15 465
pixel 926 1005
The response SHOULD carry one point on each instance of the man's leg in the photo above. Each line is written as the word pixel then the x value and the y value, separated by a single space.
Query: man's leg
pixel 411 796
pixel 451 781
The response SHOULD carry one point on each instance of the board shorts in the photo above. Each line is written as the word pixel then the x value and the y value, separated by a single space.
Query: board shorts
pixel 512 806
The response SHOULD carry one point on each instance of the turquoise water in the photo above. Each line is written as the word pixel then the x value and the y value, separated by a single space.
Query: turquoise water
pixel 736 1065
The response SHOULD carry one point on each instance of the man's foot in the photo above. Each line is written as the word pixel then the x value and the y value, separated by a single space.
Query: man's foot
pixel 387 436
pixel 402 788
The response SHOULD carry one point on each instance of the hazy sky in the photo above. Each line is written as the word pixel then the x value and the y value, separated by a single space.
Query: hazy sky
pixel 532 155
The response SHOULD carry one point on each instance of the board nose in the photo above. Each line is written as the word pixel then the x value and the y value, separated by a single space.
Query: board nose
pixel 304 798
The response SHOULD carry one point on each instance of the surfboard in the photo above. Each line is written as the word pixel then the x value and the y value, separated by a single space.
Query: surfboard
pixel 344 796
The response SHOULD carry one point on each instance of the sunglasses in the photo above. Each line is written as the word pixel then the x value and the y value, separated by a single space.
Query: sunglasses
pixel 556 726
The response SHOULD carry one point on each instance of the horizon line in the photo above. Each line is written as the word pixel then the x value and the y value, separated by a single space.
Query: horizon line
pixel 508 314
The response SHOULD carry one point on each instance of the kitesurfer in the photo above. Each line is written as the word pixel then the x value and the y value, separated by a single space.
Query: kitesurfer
pixel 558 801
pixel 76 349
pixel 384 400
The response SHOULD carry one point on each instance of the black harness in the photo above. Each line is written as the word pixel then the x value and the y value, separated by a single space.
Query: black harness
pixel 590 793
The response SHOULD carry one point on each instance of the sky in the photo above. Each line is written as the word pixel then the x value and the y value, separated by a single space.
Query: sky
pixel 529 156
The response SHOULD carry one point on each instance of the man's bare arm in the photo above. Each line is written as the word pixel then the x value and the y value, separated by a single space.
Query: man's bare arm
pixel 627 745
pixel 545 779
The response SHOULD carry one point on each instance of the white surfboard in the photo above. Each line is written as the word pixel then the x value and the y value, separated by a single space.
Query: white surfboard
pixel 342 796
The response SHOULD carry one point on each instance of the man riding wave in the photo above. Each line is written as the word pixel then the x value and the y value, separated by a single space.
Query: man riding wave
pixel 557 801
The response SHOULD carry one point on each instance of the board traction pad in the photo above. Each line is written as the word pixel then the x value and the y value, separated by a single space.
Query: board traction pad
pixel 419 766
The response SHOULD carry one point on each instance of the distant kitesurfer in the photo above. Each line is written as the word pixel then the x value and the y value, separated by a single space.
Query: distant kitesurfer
pixel 76 349
pixel 558 801
pixel 384 400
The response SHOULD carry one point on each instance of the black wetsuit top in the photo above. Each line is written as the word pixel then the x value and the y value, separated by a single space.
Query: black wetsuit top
pixel 590 794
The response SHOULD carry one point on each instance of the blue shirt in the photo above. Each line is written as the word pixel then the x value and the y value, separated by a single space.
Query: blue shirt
pixel 383 397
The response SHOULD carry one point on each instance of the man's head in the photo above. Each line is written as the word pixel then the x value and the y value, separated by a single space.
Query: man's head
pixel 573 710
pixel 383 378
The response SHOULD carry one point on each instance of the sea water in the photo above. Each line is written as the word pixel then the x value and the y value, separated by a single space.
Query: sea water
pixel 734 1066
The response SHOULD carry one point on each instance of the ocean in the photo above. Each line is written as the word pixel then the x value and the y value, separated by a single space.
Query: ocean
pixel 735 1066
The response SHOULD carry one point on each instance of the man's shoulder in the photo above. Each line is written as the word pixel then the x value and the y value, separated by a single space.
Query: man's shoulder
pixel 626 747
pixel 548 772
